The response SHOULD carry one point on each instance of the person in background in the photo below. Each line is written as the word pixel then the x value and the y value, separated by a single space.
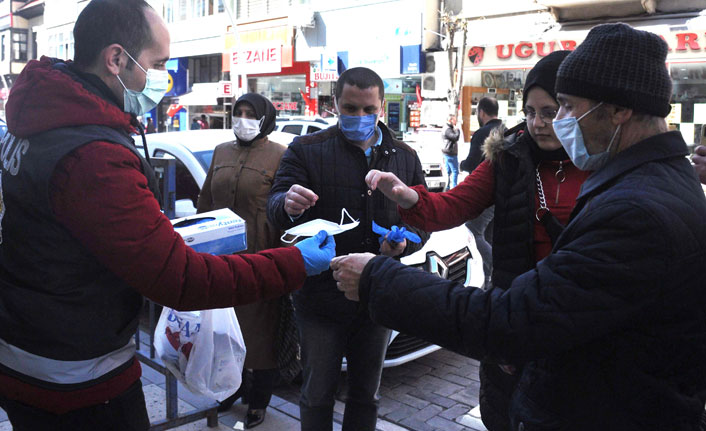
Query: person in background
pixel 481 226
pixel 195 123
pixel 150 126
pixel 508 179
pixel 699 159
pixel 204 122
pixel 487 112
pixel 610 325
pixel 450 138
pixel 83 237
pixel 240 177
pixel 320 174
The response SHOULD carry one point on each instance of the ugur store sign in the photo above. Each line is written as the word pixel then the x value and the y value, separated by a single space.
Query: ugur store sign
pixel 682 46
pixel 260 58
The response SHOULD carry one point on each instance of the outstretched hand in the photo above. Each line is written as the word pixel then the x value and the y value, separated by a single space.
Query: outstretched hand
pixel 392 187
pixel 347 271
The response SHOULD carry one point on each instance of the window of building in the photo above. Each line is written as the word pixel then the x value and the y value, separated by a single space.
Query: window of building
pixel 206 68
pixel 19 44
pixel 2 48
pixel 247 9
pixel 61 44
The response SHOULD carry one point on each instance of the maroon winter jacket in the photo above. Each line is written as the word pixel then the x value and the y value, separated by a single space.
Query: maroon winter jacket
pixel 100 195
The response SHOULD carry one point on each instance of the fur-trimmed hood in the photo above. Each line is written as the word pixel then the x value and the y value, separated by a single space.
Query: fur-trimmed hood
pixel 499 139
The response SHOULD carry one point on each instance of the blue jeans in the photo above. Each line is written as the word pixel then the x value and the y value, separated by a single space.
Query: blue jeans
pixel 324 342
pixel 451 170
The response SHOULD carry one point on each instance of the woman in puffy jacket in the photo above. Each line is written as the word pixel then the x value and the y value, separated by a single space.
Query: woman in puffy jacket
pixel 531 181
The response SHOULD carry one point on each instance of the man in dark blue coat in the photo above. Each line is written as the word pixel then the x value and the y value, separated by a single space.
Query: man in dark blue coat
pixel 611 327
pixel 319 175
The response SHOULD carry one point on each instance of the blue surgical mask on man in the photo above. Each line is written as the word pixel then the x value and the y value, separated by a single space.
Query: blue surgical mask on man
pixel 140 102
pixel 358 128
pixel 569 134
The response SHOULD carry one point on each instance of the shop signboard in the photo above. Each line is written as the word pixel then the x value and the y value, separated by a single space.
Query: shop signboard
pixel 324 76
pixel 225 89
pixel 177 69
pixel 257 58
pixel 683 47
pixel 412 60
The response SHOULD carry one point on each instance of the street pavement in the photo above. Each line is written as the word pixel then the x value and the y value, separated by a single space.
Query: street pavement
pixel 433 393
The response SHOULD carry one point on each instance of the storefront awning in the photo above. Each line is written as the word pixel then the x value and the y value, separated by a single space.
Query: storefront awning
pixel 204 94
pixel 30 10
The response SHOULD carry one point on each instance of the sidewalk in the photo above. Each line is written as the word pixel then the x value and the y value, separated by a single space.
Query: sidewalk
pixel 436 392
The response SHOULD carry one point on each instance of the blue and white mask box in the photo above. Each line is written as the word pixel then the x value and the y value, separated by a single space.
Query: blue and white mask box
pixel 215 232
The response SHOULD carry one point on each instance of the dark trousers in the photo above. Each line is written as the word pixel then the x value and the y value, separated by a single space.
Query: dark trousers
pixel 126 412
pixel 259 387
pixel 324 342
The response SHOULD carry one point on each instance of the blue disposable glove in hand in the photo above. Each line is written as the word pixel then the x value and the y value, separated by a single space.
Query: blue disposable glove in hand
pixel 317 252
pixel 395 234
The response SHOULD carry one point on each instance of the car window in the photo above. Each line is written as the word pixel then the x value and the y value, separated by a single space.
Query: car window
pixel 186 186
pixel 313 129
pixel 293 128
pixel 204 157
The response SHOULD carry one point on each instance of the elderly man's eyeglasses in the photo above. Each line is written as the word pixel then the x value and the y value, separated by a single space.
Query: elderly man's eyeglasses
pixel 546 114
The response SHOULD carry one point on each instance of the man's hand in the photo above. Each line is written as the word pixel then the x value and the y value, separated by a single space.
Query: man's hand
pixel 391 248
pixel 392 187
pixel 299 199
pixel 347 271
pixel 699 159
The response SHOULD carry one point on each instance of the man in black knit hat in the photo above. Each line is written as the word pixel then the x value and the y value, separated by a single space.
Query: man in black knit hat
pixel 610 327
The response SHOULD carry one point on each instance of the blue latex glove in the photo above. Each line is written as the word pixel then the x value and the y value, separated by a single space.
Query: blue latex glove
pixel 395 234
pixel 317 252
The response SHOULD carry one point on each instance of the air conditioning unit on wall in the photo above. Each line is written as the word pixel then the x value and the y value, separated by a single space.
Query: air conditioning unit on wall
pixel 436 82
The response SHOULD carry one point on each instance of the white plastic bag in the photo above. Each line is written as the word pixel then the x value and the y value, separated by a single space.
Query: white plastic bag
pixel 203 349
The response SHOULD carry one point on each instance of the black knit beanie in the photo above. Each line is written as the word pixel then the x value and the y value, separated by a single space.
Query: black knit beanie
pixel 543 74
pixel 620 65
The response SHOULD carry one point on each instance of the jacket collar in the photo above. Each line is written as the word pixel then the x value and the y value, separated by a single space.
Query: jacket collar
pixel 659 147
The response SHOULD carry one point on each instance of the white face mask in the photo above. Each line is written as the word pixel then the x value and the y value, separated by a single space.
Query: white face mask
pixel 246 129
pixel 569 134
pixel 140 102
pixel 312 227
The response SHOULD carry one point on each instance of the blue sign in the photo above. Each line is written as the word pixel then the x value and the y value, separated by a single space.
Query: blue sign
pixel 411 60
pixel 177 68
pixel 342 61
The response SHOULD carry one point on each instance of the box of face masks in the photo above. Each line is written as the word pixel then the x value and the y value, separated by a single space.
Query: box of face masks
pixel 215 232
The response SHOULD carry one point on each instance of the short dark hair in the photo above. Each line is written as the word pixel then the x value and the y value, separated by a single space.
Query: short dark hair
pixel 105 22
pixel 489 106
pixel 360 77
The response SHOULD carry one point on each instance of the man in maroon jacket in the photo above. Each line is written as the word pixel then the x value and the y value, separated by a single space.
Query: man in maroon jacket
pixel 82 236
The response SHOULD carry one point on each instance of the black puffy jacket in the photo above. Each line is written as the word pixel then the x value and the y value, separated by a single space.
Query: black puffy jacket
pixel 335 170
pixel 611 325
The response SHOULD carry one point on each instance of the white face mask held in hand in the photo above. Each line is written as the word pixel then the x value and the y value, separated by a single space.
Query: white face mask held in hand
pixel 312 227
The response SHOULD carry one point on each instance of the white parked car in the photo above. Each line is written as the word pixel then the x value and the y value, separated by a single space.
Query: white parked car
pixel 302 125
pixel 451 254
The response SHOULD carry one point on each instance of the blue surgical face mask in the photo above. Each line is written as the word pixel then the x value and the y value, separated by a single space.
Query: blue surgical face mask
pixel 140 102
pixel 358 128
pixel 569 134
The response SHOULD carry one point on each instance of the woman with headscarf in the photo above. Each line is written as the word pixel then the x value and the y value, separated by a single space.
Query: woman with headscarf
pixel 240 178
pixel 530 179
